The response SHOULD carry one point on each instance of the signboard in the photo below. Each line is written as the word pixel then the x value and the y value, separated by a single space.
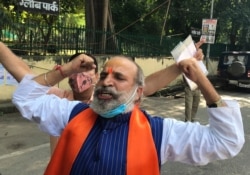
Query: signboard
pixel 208 30
pixel 40 6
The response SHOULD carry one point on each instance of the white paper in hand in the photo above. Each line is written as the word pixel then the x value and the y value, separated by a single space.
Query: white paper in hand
pixel 185 50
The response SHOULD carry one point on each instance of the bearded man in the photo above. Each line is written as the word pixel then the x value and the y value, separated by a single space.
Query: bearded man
pixel 113 136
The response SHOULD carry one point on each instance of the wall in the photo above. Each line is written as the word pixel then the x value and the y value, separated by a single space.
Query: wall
pixel 149 65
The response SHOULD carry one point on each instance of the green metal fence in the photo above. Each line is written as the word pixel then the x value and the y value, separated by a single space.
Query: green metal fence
pixel 30 39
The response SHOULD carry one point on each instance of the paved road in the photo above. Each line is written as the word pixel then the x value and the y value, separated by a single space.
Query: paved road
pixel 24 150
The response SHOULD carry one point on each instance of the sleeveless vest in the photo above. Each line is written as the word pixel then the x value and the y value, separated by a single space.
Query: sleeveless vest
pixel 140 159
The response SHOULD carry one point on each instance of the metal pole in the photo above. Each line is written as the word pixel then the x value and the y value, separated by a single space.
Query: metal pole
pixel 208 45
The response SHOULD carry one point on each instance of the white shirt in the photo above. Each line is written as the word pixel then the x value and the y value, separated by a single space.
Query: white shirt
pixel 189 143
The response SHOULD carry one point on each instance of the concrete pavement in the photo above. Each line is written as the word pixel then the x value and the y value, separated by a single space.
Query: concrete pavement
pixel 24 150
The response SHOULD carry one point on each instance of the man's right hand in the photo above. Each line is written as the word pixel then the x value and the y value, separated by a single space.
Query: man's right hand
pixel 81 63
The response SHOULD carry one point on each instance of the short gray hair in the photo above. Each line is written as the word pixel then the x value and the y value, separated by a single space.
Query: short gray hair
pixel 139 79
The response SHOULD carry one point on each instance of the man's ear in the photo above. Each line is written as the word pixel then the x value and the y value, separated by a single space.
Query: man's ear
pixel 139 92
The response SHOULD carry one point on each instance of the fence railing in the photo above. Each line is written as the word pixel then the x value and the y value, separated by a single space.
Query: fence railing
pixel 30 39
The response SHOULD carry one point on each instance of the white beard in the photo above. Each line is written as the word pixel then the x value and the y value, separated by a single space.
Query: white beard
pixel 101 106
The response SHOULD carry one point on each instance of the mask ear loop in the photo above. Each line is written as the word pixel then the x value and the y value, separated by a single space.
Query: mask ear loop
pixel 131 97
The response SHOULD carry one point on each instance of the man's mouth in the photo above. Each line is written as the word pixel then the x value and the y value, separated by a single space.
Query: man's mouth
pixel 105 95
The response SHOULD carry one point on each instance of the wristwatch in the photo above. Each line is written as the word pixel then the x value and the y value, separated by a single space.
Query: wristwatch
pixel 216 104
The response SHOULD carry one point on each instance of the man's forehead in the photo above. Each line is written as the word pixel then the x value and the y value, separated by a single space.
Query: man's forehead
pixel 119 65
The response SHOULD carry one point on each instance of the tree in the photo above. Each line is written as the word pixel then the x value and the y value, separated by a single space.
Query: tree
pixel 5 18
pixel 233 23
pixel 99 26
pixel 36 19
pixel 108 20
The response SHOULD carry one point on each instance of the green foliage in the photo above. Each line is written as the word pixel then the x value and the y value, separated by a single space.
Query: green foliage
pixel 234 22
pixel 68 11
pixel 4 15
pixel 233 16
pixel 137 17
pixel 148 17
pixel 142 19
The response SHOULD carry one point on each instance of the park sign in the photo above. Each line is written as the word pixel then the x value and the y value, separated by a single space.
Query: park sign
pixel 208 30
pixel 40 6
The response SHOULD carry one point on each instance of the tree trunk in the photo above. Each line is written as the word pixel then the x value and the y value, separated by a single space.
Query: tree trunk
pixel 99 24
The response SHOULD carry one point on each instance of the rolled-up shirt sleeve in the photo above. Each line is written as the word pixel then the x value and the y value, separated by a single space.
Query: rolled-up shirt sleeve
pixel 49 111
pixel 193 143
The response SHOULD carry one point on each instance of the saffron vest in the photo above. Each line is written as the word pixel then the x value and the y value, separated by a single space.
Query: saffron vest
pixel 140 159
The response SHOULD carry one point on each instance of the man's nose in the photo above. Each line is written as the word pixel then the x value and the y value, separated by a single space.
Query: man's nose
pixel 108 81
